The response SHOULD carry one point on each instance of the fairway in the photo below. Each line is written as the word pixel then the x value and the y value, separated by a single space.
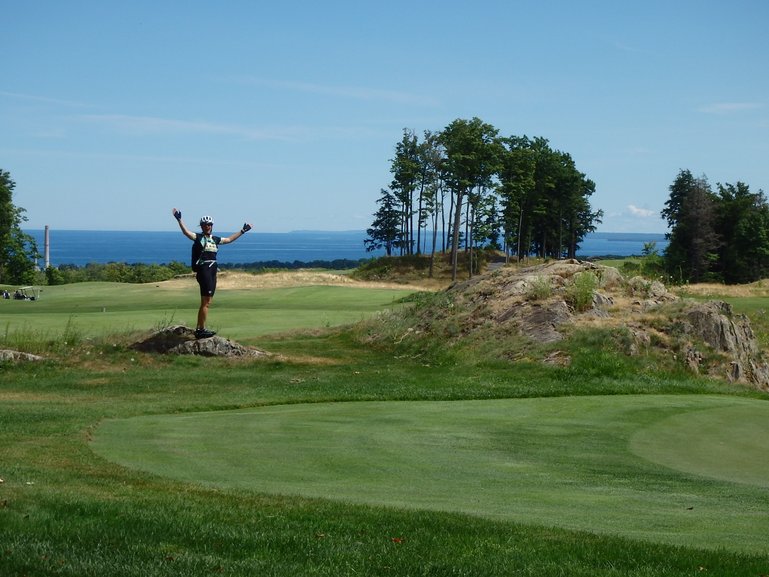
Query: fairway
pixel 101 308
pixel 688 470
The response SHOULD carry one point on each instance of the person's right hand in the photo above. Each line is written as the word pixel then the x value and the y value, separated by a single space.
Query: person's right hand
pixel 177 214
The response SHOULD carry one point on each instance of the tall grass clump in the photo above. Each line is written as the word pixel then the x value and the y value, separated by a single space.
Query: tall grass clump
pixel 539 289
pixel 579 294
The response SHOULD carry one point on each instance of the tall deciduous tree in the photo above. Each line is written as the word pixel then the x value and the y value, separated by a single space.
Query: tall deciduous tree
pixel 18 250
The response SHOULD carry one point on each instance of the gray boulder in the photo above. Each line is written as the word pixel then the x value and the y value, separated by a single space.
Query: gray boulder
pixel 180 340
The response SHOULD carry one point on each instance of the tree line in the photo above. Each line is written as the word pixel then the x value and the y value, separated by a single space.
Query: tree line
pixel 717 235
pixel 466 187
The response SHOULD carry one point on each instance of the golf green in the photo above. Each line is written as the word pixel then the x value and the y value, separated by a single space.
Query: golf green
pixel 681 469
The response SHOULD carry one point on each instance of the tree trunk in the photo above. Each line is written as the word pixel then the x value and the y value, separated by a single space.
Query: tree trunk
pixel 455 235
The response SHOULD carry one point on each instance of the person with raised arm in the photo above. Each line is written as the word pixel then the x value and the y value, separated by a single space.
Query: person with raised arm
pixel 204 249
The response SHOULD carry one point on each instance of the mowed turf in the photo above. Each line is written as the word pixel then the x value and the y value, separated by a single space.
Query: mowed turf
pixel 97 309
pixel 683 469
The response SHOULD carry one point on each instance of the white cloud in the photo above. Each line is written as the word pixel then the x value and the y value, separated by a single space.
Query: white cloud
pixel 641 212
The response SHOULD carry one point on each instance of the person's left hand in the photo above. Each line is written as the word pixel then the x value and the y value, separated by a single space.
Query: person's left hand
pixel 246 227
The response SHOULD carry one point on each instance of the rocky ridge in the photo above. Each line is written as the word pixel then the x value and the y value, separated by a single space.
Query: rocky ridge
pixel 535 302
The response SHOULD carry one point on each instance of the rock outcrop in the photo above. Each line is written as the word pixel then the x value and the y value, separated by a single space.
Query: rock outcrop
pixel 535 300
pixel 538 303
pixel 715 324
pixel 180 340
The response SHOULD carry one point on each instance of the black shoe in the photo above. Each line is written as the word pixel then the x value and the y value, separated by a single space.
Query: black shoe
pixel 203 333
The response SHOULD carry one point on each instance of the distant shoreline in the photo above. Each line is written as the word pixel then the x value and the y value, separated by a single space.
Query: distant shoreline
pixel 308 231
pixel 83 247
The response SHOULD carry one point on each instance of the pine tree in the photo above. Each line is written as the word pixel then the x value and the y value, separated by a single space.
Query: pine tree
pixel 385 231
pixel 692 253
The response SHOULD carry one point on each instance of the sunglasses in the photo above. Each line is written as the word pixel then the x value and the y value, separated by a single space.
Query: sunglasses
pixel 207 224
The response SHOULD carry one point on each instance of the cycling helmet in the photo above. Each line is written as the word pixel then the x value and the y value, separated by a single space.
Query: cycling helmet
pixel 206 220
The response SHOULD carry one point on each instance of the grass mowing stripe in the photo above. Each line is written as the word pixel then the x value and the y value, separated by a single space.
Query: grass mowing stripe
pixel 562 461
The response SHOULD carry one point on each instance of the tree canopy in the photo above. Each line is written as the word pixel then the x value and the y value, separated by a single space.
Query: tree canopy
pixel 18 250
pixel 474 188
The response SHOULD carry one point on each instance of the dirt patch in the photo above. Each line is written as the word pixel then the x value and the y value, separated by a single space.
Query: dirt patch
pixel 242 281
pixel 756 289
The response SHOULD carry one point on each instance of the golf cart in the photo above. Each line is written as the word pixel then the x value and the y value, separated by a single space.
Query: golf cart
pixel 27 293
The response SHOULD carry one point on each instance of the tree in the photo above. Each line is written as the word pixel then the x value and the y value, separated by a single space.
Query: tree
pixel 406 170
pixel 385 231
pixel 431 205
pixel 579 218
pixel 18 250
pixel 742 224
pixel 652 264
pixel 516 183
pixel 692 251
pixel 471 159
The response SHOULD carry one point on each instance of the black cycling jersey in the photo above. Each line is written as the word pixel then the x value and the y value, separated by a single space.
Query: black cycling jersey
pixel 204 249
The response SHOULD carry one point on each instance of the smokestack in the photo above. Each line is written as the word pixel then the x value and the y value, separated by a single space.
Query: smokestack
pixel 47 247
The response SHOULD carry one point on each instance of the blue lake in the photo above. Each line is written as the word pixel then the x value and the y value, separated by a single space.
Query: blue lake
pixel 80 247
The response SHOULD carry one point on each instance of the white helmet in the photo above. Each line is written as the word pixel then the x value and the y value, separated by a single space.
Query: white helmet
pixel 206 220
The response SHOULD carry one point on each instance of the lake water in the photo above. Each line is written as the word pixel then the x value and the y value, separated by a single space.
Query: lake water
pixel 80 247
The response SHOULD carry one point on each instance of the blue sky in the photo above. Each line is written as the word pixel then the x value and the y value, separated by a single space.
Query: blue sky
pixel 286 113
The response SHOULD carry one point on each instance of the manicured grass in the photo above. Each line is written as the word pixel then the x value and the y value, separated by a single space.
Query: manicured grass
pixel 562 461
pixel 97 309
pixel 66 511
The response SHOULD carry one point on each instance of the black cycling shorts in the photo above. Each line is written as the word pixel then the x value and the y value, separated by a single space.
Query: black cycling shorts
pixel 206 277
